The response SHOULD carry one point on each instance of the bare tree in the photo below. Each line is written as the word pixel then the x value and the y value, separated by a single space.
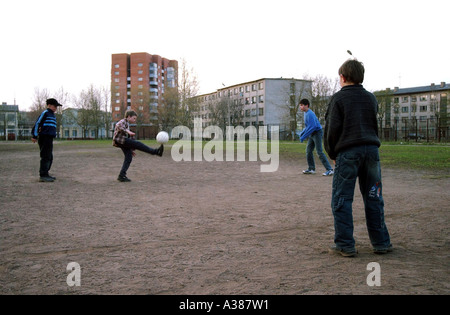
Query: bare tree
pixel 188 89
pixel 322 89
pixel 39 103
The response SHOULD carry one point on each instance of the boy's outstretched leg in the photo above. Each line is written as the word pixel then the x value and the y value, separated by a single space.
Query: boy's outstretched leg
pixel 137 145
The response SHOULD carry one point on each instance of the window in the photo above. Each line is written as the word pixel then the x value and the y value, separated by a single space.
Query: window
pixel 253 87
pixel 261 111
pixel 261 85
pixel 413 98
pixel 140 64
pixel 423 98
pixel 405 99
pixel 261 98
pixel 423 108
pixel 117 108
pixel 116 72
pixel 116 66
pixel 404 109
pixel 117 80
pixel 253 99
pixel 140 71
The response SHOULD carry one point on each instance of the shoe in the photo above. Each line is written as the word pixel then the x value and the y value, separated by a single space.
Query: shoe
pixel 346 253
pixel 46 179
pixel 328 173
pixel 123 179
pixel 160 150
pixel 381 251
pixel 308 171
pixel 52 177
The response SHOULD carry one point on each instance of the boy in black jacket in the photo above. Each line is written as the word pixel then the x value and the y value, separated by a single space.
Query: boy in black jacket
pixel 43 132
pixel 351 139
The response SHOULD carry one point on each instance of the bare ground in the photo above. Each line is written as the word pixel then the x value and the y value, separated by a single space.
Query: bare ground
pixel 206 228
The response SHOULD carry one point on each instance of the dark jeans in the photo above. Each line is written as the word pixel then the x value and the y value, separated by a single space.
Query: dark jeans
pixel 315 141
pixel 46 151
pixel 362 162
pixel 128 148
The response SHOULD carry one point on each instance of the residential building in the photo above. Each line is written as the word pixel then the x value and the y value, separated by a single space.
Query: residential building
pixel 138 82
pixel 262 102
pixel 75 126
pixel 9 121
pixel 417 113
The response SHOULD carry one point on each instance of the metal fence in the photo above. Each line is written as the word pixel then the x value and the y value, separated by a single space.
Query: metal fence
pixel 413 129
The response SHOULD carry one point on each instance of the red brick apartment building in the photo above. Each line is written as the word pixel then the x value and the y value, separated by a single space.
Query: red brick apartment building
pixel 138 82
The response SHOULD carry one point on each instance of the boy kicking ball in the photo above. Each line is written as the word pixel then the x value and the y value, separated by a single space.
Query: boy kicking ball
pixel 124 139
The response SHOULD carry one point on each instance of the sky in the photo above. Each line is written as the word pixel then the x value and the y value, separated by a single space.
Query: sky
pixel 67 44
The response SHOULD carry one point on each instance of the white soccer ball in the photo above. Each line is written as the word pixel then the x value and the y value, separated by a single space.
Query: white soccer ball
pixel 162 137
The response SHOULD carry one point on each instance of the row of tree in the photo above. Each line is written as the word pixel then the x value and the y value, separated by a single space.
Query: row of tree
pixel 179 104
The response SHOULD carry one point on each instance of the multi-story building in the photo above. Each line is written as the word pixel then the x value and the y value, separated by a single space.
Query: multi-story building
pixel 138 82
pixel 260 102
pixel 415 113
pixel 8 121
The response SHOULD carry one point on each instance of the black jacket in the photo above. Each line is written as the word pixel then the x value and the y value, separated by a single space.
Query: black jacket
pixel 351 120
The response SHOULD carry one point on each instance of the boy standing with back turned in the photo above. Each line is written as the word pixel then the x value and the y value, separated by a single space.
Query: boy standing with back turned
pixel 351 139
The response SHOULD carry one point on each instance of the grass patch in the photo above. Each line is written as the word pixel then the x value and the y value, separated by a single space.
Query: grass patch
pixel 405 156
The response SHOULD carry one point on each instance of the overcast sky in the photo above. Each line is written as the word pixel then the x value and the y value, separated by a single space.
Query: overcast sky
pixel 50 44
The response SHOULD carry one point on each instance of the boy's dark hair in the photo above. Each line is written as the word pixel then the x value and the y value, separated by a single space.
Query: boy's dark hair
pixel 130 113
pixel 353 71
pixel 304 101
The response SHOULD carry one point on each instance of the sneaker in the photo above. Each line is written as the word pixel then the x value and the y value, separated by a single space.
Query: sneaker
pixel 160 150
pixel 123 179
pixel 346 253
pixel 328 173
pixel 46 179
pixel 308 171
pixel 381 251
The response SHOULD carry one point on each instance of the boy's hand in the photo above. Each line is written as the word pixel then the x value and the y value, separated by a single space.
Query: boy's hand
pixel 34 140
pixel 131 133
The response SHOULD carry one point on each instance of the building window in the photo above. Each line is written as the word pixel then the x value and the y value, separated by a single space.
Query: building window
pixel 140 64
pixel 117 108
pixel 261 98
pixel 261 111
pixel 405 99
pixel 117 80
pixel 116 72
pixel 261 85
pixel 423 98
pixel 116 66
pixel 404 109
pixel 423 108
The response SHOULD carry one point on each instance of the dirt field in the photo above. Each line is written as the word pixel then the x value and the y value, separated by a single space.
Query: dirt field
pixel 206 228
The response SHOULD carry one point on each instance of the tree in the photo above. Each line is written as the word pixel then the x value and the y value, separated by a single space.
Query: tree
pixel 322 89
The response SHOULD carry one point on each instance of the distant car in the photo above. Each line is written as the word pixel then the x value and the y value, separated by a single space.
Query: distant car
pixel 415 136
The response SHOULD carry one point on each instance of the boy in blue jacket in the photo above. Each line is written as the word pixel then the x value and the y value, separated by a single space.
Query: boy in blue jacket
pixel 43 132
pixel 314 131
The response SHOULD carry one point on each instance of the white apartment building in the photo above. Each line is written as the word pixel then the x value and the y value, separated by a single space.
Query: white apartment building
pixel 417 112
pixel 260 102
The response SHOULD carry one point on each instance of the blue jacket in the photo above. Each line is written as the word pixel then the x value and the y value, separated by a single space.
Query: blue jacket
pixel 312 124
pixel 45 124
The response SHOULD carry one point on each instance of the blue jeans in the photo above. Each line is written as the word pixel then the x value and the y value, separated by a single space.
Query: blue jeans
pixel 315 141
pixel 362 162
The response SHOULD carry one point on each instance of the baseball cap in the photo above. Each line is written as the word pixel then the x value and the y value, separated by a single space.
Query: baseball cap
pixel 52 101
